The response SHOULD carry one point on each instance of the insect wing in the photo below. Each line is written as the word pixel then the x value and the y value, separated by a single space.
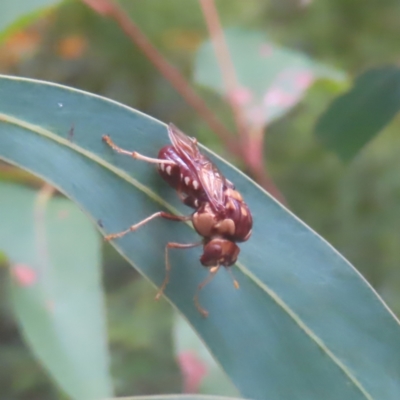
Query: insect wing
pixel 183 143
pixel 213 183
pixel 210 178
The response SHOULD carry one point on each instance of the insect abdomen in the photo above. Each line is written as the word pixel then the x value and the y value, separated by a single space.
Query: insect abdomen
pixel 169 172
pixel 180 177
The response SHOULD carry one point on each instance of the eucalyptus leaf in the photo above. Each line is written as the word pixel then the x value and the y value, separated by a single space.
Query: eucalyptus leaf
pixel 355 117
pixel 303 325
pixel 191 350
pixel 54 255
pixel 17 13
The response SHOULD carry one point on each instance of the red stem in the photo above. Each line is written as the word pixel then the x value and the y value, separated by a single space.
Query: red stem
pixel 113 11
pixel 252 138
pixel 224 60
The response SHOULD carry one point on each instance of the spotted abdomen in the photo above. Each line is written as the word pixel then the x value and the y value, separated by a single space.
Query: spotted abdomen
pixel 180 177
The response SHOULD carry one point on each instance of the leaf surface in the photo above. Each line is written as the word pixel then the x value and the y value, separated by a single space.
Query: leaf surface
pixel 56 288
pixel 355 117
pixel 197 365
pixel 304 323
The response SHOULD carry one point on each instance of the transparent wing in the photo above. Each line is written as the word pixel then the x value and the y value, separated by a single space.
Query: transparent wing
pixel 210 178
pixel 185 145
pixel 213 183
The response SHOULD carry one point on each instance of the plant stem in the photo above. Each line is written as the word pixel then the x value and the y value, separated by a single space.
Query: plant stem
pixel 224 59
pixel 113 11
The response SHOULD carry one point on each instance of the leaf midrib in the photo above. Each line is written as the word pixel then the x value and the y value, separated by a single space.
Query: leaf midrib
pixel 123 175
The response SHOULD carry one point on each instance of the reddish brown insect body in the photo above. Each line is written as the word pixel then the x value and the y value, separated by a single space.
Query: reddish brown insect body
pixel 221 216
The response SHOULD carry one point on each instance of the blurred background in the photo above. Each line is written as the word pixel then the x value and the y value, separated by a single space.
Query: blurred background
pixel 354 204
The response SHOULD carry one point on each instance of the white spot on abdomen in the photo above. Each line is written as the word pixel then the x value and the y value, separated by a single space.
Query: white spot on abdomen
pixel 187 181
pixel 162 166
pixel 169 169
pixel 195 185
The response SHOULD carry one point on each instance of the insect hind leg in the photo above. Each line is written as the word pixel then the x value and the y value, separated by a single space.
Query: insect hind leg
pixel 134 154
pixel 133 228
pixel 172 245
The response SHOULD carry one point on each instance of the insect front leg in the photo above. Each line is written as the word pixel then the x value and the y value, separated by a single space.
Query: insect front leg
pixel 172 245
pixel 134 154
pixel 132 228
pixel 209 278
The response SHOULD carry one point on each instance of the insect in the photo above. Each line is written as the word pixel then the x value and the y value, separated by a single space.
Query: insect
pixel 220 215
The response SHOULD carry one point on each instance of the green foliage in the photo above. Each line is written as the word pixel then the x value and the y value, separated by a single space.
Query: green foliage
pixel 17 14
pixel 296 291
pixel 212 378
pixel 271 80
pixel 357 116
pixel 56 289
pixel 354 206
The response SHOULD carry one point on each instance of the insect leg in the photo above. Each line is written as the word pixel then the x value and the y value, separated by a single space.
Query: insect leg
pixel 162 214
pixel 172 245
pixel 235 282
pixel 209 278
pixel 134 154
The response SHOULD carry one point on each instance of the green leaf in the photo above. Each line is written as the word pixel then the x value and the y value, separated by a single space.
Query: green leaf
pixel 176 397
pixel 304 323
pixel 356 117
pixel 56 288
pixel 271 79
pixel 16 14
pixel 3 258
pixel 197 363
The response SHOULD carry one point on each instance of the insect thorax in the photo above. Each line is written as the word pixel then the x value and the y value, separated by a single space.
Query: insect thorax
pixel 234 223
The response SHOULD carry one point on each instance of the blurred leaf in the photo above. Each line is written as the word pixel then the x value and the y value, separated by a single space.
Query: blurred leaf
pixel 143 360
pixel 304 323
pixel 271 79
pixel 189 349
pixel 357 116
pixel 72 47
pixel 176 397
pixel 16 14
pixel 56 288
